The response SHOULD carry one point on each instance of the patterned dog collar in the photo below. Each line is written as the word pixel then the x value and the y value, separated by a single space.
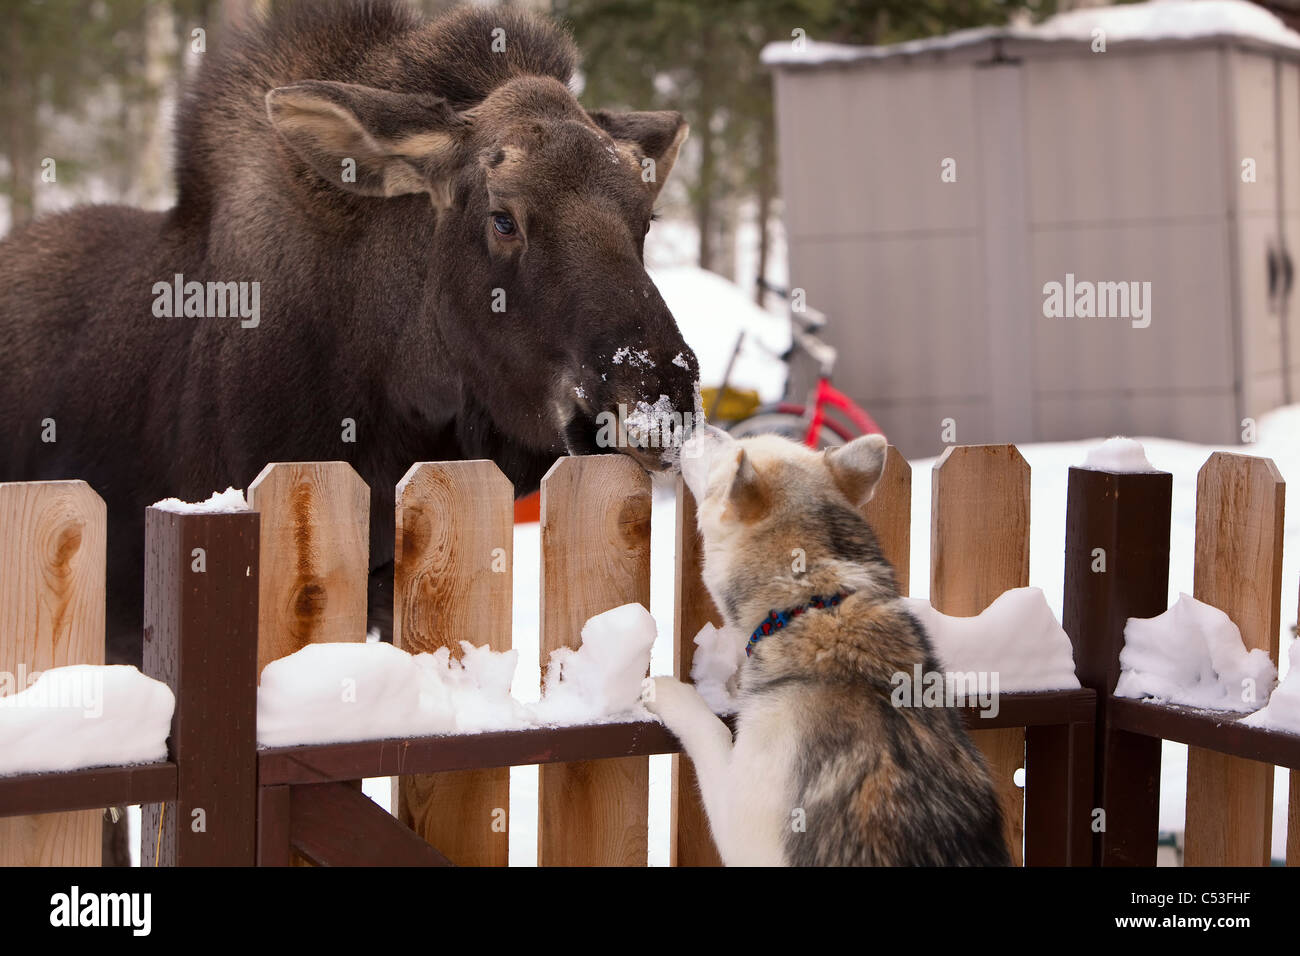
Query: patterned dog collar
pixel 776 620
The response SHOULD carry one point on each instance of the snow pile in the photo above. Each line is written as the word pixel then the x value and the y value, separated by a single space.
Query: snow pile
pixel 221 502
pixel 715 667
pixel 327 693
pixel 603 677
pixel 1192 654
pixel 1016 637
pixel 1162 20
pixel 1118 454
pixel 85 716
pixel 1282 712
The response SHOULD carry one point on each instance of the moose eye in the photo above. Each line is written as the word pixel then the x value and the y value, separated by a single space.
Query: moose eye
pixel 504 225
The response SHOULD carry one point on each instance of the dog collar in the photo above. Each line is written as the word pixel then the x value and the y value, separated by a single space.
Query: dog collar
pixel 776 620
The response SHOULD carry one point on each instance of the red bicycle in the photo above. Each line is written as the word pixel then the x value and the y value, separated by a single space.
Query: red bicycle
pixel 811 423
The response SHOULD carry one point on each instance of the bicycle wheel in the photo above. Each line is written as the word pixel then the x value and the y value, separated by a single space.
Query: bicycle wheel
pixel 786 424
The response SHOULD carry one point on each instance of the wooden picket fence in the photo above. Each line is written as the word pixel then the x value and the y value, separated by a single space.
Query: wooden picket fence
pixel 294 571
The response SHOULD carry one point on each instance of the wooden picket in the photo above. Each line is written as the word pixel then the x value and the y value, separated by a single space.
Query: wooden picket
pixel 315 555
pixel 453 579
pixel 889 512
pixel 1239 531
pixel 979 547
pixel 52 550
pixel 691 842
pixel 595 556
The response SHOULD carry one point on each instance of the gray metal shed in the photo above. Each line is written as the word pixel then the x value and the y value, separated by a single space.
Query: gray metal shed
pixel 1171 158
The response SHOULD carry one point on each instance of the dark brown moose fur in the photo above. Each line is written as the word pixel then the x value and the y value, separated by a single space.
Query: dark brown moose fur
pixel 376 295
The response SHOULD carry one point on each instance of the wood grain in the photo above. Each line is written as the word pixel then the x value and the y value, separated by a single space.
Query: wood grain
pixel 889 512
pixel 1239 531
pixel 52 560
pixel 691 839
pixel 453 581
pixel 979 547
pixel 315 555
pixel 595 556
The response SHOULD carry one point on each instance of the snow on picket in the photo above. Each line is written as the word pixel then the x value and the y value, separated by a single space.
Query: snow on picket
pixel 1016 644
pixel 84 715
pixel 221 502
pixel 1118 454
pixel 1192 654
pixel 328 693
pixel 1282 712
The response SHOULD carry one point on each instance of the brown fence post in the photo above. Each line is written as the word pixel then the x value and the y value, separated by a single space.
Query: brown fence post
pixel 979 547
pixel 1239 531
pixel 200 638
pixel 595 556
pixel 453 574
pixel 52 540
pixel 691 840
pixel 1116 567
pixel 1293 812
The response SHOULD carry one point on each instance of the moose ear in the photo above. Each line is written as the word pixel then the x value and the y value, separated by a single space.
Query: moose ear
pixel 748 495
pixel 370 141
pixel 656 135
pixel 856 467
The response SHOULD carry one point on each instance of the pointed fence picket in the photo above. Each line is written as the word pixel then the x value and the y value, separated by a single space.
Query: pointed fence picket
pixel 979 547
pixel 453 574
pixel 52 549
pixel 1239 531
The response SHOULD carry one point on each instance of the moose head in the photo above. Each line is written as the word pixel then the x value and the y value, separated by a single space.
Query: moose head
pixel 536 304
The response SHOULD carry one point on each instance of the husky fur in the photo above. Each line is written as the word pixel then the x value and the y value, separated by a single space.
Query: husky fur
pixel 824 770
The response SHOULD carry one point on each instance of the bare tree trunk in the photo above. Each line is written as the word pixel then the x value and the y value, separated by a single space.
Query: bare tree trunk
pixel 766 190
pixel 19 127
pixel 708 160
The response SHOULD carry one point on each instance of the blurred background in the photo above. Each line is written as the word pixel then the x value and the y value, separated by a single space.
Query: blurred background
pixel 916 172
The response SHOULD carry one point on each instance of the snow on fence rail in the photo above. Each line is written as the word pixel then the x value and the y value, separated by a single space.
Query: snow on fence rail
pixel 293 571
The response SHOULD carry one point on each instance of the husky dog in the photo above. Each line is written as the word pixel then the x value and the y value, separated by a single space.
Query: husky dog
pixel 824 769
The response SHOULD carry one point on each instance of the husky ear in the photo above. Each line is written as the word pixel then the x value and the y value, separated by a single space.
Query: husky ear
pixel 748 496
pixel 856 467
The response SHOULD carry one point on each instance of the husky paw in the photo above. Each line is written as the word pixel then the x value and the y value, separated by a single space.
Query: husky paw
pixel 669 698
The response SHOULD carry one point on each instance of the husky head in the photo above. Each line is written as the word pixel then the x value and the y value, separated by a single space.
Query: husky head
pixel 781 523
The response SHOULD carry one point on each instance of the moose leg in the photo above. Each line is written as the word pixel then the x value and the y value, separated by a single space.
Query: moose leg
pixel 380 612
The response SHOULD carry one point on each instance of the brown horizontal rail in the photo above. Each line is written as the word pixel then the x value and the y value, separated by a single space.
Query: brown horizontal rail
pixel 320 763
pixel 156 783
pixel 1221 731
pixel 87 789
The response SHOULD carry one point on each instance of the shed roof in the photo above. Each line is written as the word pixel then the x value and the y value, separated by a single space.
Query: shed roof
pixel 1159 20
